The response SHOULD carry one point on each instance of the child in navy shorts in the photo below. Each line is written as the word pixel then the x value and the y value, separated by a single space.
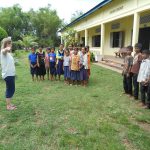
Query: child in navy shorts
pixel 33 63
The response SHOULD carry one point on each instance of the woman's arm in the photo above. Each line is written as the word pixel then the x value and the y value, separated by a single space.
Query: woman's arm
pixel 6 50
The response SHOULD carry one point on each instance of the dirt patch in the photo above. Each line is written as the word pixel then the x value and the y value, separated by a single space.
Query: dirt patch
pixel 72 131
pixel 128 144
pixel 144 125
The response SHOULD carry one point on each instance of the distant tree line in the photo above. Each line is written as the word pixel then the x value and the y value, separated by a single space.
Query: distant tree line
pixel 30 28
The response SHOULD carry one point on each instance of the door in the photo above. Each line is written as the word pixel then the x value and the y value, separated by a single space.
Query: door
pixel 144 38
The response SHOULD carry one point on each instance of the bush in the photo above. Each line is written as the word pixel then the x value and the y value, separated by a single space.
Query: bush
pixel 16 45
pixel 3 33
pixel 92 57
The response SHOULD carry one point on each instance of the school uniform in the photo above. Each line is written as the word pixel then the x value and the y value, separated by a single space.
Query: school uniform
pixel 33 61
pixel 144 74
pixel 41 69
pixel 60 56
pixel 127 76
pixel 52 62
pixel 75 74
pixel 89 66
pixel 8 73
pixel 84 67
pixel 135 70
pixel 47 63
pixel 66 67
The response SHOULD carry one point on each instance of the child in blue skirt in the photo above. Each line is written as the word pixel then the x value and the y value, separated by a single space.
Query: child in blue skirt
pixel 33 63
pixel 47 67
pixel 67 67
pixel 52 62
pixel 83 67
pixel 60 59
pixel 75 66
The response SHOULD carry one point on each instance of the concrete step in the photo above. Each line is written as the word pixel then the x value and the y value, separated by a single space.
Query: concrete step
pixel 119 62
pixel 108 67
pixel 112 64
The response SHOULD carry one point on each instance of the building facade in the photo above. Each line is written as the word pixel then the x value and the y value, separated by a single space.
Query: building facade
pixel 113 24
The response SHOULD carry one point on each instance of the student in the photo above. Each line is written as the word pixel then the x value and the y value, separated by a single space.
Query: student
pixel 75 66
pixel 52 62
pixel 135 69
pixel 47 67
pixel 8 71
pixel 67 67
pixel 144 76
pixel 70 47
pixel 83 67
pixel 41 63
pixel 60 56
pixel 89 61
pixel 127 76
pixel 33 63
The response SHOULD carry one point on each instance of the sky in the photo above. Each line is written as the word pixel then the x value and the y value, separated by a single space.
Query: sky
pixel 65 8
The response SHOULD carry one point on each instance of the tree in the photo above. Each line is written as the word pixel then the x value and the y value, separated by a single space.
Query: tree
pixel 43 23
pixel 3 34
pixel 28 41
pixel 15 22
pixel 69 37
pixel 75 15
pixel 46 24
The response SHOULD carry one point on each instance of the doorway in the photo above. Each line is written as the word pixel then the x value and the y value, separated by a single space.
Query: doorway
pixel 144 38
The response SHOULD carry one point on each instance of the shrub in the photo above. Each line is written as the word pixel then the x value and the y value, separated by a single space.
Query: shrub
pixel 3 33
pixel 16 45
pixel 92 57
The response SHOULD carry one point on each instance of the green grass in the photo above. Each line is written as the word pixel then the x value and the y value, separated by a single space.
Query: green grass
pixel 52 116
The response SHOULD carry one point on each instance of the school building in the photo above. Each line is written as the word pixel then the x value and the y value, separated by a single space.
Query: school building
pixel 113 24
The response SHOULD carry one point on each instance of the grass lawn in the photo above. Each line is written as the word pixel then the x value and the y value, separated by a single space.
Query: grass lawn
pixel 53 116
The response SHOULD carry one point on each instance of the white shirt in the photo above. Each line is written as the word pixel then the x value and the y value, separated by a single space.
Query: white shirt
pixel 144 72
pixel 85 61
pixel 81 57
pixel 7 65
pixel 66 61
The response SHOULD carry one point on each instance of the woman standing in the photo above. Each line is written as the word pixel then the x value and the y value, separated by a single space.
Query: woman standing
pixel 8 71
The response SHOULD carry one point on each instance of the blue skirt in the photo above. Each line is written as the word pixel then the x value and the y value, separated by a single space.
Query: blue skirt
pixel 66 72
pixel 83 74
pixel 33 71
pixel 75 75
pixel 60 68
pixel 53 68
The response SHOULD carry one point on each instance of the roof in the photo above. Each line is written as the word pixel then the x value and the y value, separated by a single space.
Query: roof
pixel 103 3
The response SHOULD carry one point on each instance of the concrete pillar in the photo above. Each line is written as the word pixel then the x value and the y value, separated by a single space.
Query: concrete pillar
pixel 102 39
pixel 76 37
pixel 136 24
pixel 62 40
pixel 86 37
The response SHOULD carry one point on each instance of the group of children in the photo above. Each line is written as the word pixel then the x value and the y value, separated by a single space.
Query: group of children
pixel 136 73
pixel 72 62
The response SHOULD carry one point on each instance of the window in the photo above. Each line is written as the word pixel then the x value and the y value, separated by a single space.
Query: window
pixel 116 39
pixel 96 40
pixel 83 41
